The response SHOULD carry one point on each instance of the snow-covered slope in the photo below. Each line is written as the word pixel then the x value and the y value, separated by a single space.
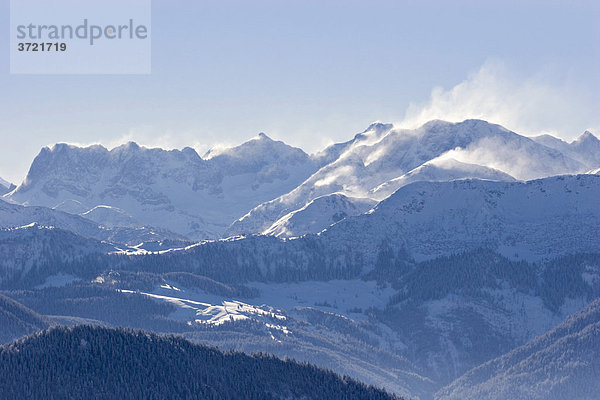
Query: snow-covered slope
pixel 461 311
pixel 319 214
pixel 383 153
pixel 439 170
pixel 587 149
pixel 175 190
pixel 561 364
pixel 534 219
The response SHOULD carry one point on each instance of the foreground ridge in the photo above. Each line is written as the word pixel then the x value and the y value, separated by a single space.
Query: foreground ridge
pixel 102 363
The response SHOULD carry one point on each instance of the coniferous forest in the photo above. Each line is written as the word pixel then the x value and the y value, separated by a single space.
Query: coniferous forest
pixel 86 362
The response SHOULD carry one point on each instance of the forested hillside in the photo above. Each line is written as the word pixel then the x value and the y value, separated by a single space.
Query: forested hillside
pixel 562 364
pixel 85 362
pixel 17 320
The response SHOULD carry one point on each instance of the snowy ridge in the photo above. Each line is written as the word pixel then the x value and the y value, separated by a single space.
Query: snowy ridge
pixel 14 215
pixel 530 220
pixel 439 170
pixel 319 214
pixel 17 320
pixel 585 149
pixel 594 171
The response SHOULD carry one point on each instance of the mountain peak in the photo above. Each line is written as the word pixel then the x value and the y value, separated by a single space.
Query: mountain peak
pixel 58 148
pixel 378 126
pixel 435 122
pixel 66 147
pixel 586 136
pixel 260 147
pixel 129 146
pixel 546 137
pixel 263 136
pixel 472 123
pixel 373 132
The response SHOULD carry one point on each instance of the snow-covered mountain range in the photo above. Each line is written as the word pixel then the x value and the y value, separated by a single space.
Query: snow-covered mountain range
pixel 383 158
pixel 174 190
pixel 265 186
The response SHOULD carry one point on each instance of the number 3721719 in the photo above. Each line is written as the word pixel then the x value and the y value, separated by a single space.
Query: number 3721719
pixel 41 46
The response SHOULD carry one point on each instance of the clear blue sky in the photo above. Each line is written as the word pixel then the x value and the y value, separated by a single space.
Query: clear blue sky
pixel 313 72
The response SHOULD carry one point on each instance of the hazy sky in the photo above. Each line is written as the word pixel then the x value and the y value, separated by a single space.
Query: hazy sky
pixel 314 72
